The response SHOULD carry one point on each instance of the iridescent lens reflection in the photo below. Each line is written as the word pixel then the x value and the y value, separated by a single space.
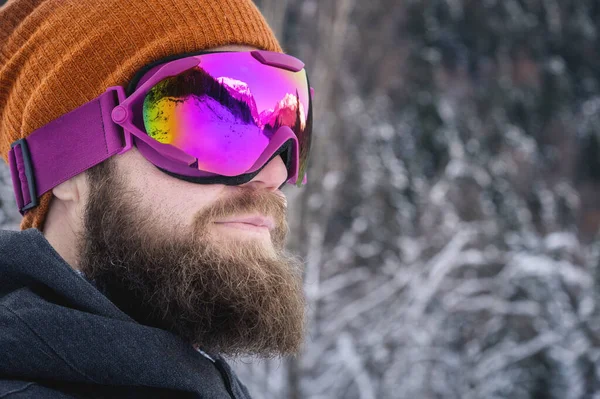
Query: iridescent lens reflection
pixel 225 110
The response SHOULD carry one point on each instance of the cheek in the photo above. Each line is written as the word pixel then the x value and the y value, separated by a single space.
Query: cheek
pixel 172 201
pixel 176 202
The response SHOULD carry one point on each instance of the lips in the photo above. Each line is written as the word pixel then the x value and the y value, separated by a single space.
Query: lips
pixel 256 221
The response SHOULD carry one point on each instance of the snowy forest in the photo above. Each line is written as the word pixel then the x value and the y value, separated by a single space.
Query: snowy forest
pixel 451 224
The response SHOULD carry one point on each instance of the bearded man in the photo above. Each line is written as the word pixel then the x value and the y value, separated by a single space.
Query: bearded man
pixel 148 142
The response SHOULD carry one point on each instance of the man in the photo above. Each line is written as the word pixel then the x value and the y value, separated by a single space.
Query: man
pixel 148 141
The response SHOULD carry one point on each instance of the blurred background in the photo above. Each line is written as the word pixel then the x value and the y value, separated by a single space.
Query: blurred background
pixel 451 223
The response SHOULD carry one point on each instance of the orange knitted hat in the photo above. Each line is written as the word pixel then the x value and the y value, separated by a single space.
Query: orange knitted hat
pixel 56 55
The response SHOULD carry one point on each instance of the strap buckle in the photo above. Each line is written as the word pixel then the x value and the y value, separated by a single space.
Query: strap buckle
pixel 22 177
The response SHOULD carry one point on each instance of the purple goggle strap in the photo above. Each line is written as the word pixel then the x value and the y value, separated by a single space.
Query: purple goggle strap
pixel 64 148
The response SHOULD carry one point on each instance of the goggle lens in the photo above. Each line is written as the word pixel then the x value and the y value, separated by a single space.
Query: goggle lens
pixel 225 110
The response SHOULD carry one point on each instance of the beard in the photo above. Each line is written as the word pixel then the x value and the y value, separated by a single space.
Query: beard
pixel 224 294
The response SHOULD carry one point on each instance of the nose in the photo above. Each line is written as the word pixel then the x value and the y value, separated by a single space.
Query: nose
pixel 271 177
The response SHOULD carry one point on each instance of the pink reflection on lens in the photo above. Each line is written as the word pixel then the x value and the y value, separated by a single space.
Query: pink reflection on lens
pixel 225 110
pixel 232 151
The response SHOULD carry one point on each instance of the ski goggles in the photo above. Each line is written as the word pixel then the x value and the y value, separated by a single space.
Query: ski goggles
pixel 208 118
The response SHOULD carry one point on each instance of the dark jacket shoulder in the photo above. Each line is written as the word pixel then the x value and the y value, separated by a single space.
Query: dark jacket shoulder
pixel 16 389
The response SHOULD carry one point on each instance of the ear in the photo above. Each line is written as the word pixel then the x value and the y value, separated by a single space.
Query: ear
pixel 74 189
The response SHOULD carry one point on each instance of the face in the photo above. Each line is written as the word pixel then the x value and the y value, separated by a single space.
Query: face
pixel 206 262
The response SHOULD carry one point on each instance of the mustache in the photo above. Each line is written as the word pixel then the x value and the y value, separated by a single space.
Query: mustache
pixel 247 201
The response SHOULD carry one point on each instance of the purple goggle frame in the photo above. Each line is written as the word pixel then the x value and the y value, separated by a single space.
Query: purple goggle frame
pixel 109 125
